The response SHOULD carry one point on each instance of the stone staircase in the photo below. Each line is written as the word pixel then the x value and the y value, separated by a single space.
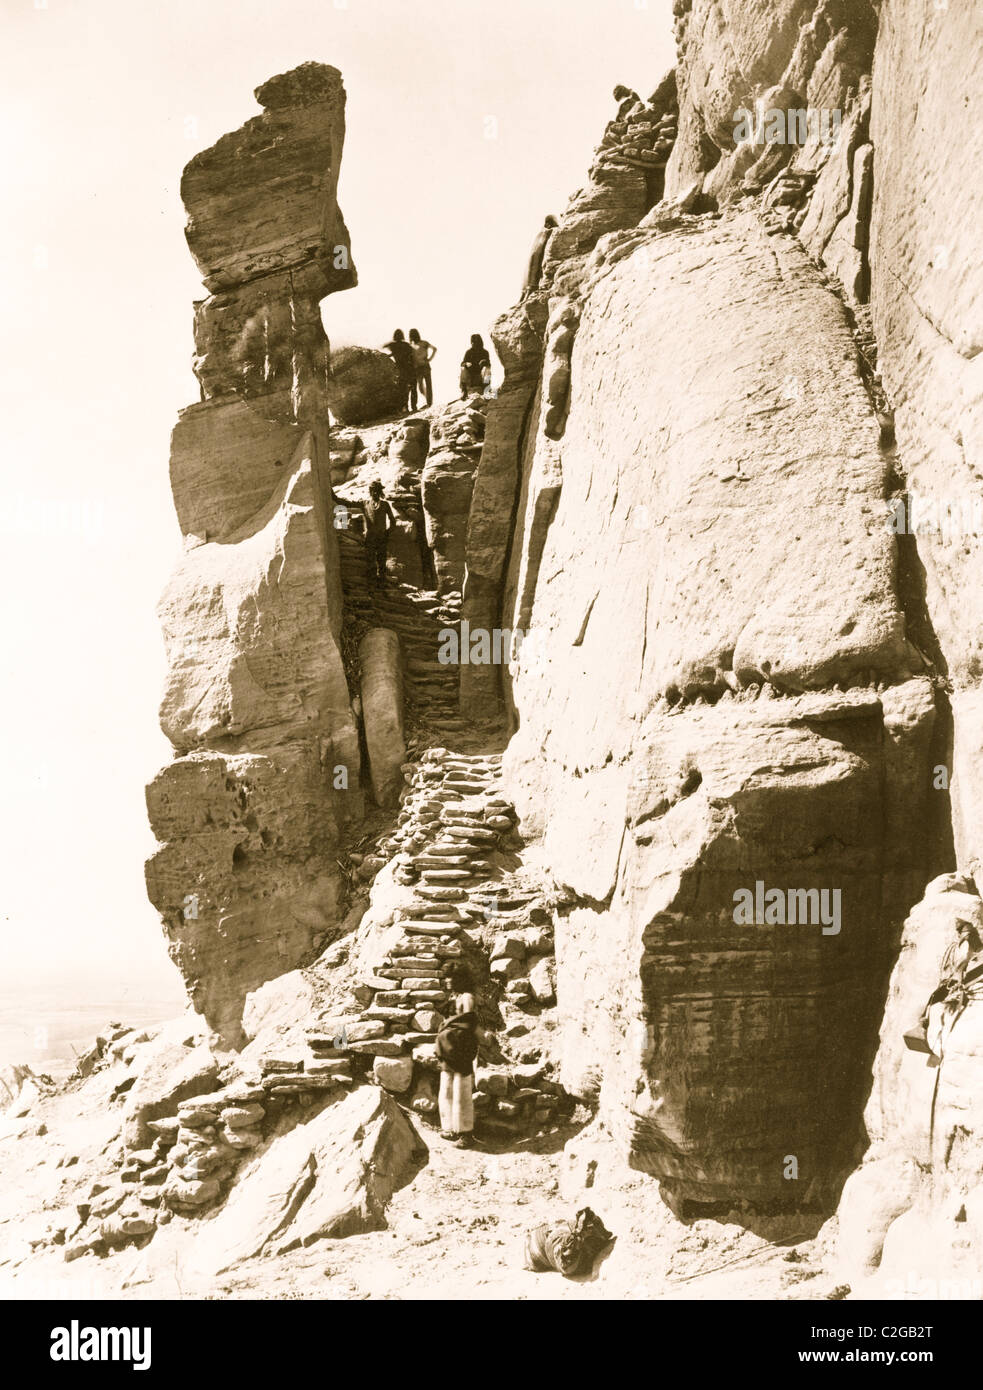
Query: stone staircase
pixel 473 901
pixel 417 616
pixel 473 904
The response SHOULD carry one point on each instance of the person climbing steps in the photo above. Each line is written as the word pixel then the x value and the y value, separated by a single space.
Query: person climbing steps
pixel 457 1047
pixel 378 521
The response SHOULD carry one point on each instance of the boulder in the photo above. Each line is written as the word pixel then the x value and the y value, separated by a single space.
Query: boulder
pixel 393 1073
pixel 363 386
pixel 330 1177
pixel 284 1001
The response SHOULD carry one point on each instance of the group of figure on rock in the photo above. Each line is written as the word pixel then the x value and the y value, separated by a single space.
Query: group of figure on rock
pixel 412 361
pixel 413 373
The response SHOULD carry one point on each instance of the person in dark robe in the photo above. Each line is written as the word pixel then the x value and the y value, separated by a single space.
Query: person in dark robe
pixel 475 367
pixel 457 1047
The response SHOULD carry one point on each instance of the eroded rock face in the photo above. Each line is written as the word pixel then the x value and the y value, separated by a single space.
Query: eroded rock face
pixel 448 482
pixel 926 295
pixel 264 198
pixel 794 55
pixel 702 534
pixel 673 550
pixel 518 339
pixel 245 878
pixel 534 341
pixel 717 1047
pixel 249 635
pixel 256 699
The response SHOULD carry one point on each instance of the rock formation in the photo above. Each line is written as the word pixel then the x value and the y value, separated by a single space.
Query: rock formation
pixel 734 670
pixel 456 436
pixel 707 839
pixel 382 705
pixel 257 705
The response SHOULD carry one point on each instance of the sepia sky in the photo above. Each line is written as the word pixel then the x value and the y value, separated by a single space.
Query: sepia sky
pixel 468 121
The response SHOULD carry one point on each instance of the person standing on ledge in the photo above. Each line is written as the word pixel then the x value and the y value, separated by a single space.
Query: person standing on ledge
pixel 457 1047
pixel 378 520
pixel 475 367
pixel 534 271
pixel 402 355
pixel 423 354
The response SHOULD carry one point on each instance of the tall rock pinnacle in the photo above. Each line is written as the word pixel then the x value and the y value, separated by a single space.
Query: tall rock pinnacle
pixel 256 702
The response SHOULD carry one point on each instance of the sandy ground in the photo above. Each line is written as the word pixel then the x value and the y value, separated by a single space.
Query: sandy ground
pixel 456 1231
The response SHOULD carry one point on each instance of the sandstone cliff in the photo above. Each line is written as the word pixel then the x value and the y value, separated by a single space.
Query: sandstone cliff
pixel 735 671
pixel 741 356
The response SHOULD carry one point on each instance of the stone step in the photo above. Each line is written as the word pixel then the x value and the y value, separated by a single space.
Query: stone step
pixel 322 1067
pixel 376 982
pixel 419 927
pixel 380 1047
pixel 395 998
